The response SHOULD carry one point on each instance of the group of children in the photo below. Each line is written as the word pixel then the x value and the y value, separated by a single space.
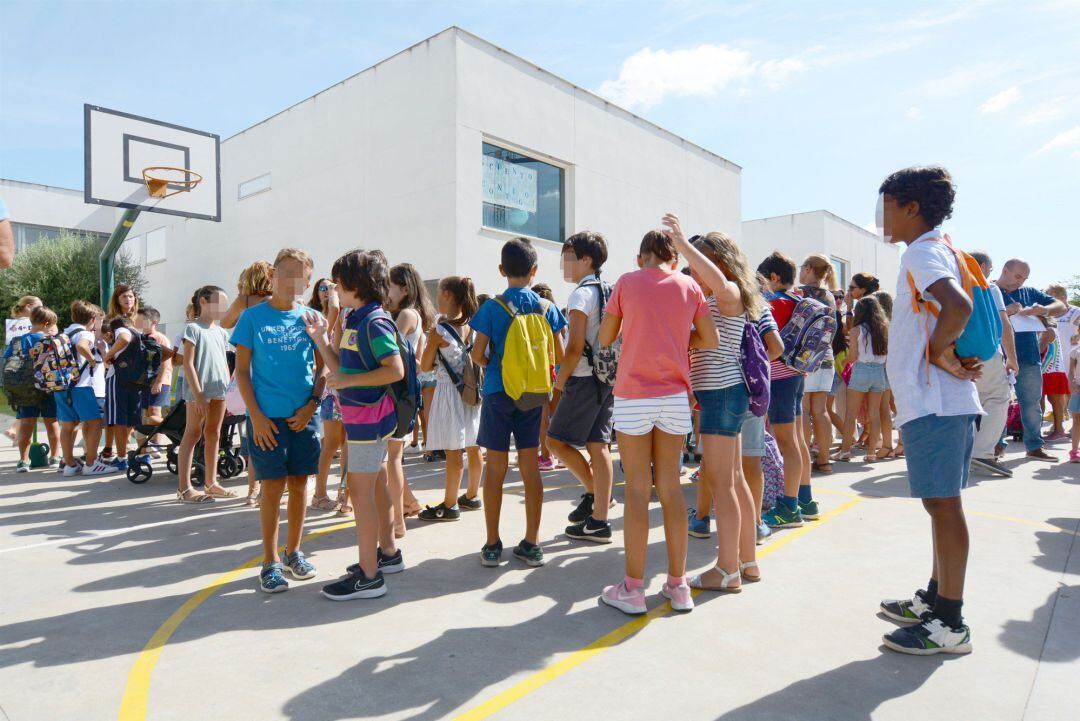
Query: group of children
pixel 656 358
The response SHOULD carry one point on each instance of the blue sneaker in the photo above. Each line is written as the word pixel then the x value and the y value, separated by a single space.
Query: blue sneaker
pixel 119 464
pixel 763 533
pixel 271 579
pixel 300 568
pixel 491 555
pixel 699 527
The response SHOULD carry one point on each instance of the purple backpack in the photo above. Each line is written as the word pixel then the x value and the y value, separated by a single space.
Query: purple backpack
pixel 755 368
pixel 772 467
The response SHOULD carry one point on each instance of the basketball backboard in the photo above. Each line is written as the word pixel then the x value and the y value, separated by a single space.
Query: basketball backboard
pixel 120 146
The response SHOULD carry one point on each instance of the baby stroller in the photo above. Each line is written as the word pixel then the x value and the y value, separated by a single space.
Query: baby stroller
pixel 230 462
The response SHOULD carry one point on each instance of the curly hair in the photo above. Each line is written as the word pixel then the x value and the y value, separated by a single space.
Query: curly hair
pixel 930 186
pixel 257 279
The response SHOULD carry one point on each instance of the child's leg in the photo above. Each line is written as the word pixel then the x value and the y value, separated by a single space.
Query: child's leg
pixel 835 417
pixel 494 475
pixel 331 442
pixel 476 471
pixel 819 420
pixel 719 473
pixel 804 467
pixel 704 492
pixel 454 470
pixel 269 516
pixel 873 439
pixel 886 421
pixel 545 417
pixel 297 511
pixel 666 454
pixel 428 396
pixel 854 402
pixel 215 414
pixel 362 494
pixel 186 452
pixel 1058 403
pixel 24 433
pixel 52 432
pixel 787 438
pixel 384 508
pixel 529 468
pixel 395 475
pixel 755 480
pixel 67 441
pixel 573 460
pixel 123 436
pixel 91 439
pixel 749 514
pixel 1075 432
pixel 950 545
pixel 602 475
pixel 637 457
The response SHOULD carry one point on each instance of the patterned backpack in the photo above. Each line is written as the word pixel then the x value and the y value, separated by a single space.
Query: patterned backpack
pixel 605 360
pixel 772 465
pixel 55 366
pixel 808 335
pixel 754 361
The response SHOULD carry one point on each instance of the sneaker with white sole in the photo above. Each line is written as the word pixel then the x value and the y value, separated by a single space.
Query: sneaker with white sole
pixel 590 530
pixel 907 610
pixel 622 598
pixel 680 596
pixel 298 566
pixel 992 465
pixel 354 586
pixel 930 637
pixel 100 468
pixel 272 580
pixel 22 467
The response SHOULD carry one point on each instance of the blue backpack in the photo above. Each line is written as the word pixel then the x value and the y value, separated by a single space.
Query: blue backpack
pixel 406 392
pixel 982 334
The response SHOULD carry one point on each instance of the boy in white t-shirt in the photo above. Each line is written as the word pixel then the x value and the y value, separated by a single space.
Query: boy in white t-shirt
pixel 585 412
pixel 936 402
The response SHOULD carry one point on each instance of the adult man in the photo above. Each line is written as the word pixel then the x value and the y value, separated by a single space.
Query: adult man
pixel 993 385
pixel 1025 306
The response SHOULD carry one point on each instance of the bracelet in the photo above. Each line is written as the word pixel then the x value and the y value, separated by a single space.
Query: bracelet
pixel 316 399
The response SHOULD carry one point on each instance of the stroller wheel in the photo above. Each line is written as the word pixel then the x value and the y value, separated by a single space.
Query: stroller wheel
pixel 241 464
pixel 139 471
pixel 198 475
pixel 227 466
pixel 173 466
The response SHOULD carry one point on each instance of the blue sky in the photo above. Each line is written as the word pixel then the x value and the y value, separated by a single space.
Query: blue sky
pixel 816 101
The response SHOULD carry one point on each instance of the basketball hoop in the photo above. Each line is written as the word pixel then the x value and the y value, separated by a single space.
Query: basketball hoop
pixel 162 181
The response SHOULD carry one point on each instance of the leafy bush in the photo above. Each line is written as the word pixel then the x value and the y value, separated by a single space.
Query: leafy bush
pixel 62 271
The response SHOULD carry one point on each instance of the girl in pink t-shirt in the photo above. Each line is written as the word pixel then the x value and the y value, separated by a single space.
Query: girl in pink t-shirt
pixel 661 313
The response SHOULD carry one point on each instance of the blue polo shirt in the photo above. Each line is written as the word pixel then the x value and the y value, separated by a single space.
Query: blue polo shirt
pixel 1027 343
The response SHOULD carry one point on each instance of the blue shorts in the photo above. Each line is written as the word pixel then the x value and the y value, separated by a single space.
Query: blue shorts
pixel 156 400
pixel 296 453
pixel 46 409
pixel 785 399
pixel 122 404
pixel 1074 402
pixel 83 407
pixel 938 454
pixel 500 418
pixel 753 435
pixel 723 410
pixel 868 378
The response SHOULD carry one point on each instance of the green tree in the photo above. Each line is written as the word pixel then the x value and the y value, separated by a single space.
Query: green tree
pixel 62 271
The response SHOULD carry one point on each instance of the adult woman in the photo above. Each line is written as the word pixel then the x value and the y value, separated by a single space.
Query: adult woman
pixel 817 279
pixel 122 412
pixel 861 284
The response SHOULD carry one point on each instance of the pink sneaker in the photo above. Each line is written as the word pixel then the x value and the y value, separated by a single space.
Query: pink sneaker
pixel 546 464
pixel 680 597
pixel 1074 456
pixel 622 598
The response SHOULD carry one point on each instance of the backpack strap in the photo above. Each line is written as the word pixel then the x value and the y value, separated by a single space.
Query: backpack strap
pixel 452 331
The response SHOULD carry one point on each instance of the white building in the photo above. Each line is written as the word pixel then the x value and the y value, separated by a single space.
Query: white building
pixel 851 248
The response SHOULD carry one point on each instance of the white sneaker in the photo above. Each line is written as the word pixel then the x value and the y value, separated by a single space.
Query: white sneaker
pixel 70 471
pixel 100 468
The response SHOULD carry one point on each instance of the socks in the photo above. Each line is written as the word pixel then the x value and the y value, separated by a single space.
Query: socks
pixel 948 610
pixel 675 581
pixel 931 592
pixel 791 502
pixel 804 494
pixel 634 584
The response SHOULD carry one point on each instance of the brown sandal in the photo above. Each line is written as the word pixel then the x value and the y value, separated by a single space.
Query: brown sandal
pixel 186 497
pixel 823 468
pixel 216 491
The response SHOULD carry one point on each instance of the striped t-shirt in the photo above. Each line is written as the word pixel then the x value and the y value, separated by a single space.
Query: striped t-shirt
pixel 367 412
pixel 717 368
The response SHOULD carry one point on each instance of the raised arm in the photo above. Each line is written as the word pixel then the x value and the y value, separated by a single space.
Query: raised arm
pixel 725 291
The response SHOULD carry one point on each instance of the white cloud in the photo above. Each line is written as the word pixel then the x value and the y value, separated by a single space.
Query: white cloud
pixel 648 76
pixel 1068 139
pixel 1043 112
pixel 914 113
pixel 1000 101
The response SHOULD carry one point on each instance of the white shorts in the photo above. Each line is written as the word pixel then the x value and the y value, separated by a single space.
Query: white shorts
pixel 820 381
pixel 638 416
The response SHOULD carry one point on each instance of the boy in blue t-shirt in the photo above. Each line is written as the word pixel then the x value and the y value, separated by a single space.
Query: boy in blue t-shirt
pixel 499 417
pixel 280 376
pixel 42 324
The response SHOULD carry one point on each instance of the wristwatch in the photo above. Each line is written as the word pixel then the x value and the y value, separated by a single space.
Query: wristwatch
pixel 316 399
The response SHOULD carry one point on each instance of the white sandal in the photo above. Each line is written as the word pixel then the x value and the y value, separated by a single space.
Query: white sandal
pixel 725 582
pixel 749 565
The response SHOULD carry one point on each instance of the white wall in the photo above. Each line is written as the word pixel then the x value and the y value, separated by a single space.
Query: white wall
pixel 57 207
pixel 820 231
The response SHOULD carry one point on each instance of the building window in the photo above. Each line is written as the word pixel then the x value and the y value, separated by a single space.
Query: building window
pixel 843 275
pixel 132 248
pixel 27 234
pixel 155 245
pixel 522 195
pixel 254 186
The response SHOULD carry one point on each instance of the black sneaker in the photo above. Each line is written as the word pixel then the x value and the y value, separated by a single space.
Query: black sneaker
pixel 930 637
pixel 491 554
pixel 584 509
pixel 992 465
pixel 356 585
pixel 530 553
pixel 591 530
pixel 907 610
pixel 387 564
pixel 469 504
pixel 440 513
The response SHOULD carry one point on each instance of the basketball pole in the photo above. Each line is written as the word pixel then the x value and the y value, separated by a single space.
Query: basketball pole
pixel 107 260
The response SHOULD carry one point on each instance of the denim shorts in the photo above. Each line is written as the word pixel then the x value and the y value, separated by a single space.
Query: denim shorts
pixel 753 435
pixel 330 409
pixel 500 419
pixel 868 378
pixel 155 400
pixel 722 411
pixel 45 409
pixel 296 453
pixel 820 381
pixel 584 414
pixel 938 454
pixel 1074 402
pixel 785 399
pixel 837 383
pixel 83 407
pixel 366 456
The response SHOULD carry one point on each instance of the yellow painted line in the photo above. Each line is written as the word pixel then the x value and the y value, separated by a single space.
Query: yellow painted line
pixel 137 691
pixel 525 687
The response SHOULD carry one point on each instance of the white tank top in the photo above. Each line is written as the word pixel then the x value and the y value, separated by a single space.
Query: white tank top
pixel 866 348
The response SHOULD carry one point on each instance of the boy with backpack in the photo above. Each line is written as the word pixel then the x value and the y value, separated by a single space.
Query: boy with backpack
pixel 583 418
pixel 521 331
pixel 29 402
pixel 936 399
pixel 156 395
pixel 133 362
pixel 66 365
